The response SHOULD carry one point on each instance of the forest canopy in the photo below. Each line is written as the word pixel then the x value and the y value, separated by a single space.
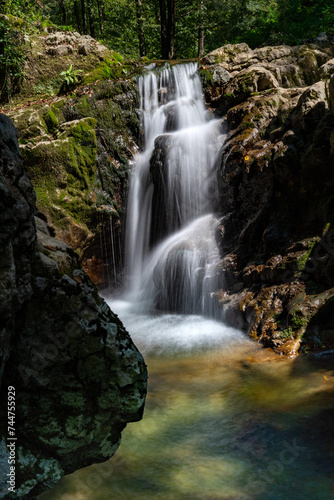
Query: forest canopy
pixel 180 28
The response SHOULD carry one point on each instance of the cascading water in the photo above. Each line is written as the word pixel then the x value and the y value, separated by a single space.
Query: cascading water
pixel 171 246
pixel 217 424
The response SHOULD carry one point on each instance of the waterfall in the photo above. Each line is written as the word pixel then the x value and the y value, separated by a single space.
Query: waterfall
pixel 171 249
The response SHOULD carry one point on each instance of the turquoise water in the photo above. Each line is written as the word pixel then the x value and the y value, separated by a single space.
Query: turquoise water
pixel 224 420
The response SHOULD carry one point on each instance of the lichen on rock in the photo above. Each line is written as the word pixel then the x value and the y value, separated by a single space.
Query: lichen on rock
pixel 78 377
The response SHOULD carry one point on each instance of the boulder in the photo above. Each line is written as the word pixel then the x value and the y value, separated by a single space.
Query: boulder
pixel 61 347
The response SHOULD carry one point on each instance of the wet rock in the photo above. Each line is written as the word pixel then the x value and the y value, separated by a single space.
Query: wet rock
pixel 63 350
pixel 311 107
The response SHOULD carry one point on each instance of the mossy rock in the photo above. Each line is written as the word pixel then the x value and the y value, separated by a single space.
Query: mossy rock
pixel 63 170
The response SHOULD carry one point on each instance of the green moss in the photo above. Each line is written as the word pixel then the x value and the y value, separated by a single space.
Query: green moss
pixel 51 121
pixel 248 125
pixel 108 69
pixel 326 228
pixel 287 333
pixel 63 172
pixel 298 320
pixel 206 75
pixel 301 261
pixel 57 108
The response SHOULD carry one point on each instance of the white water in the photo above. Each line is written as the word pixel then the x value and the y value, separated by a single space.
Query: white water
pixel 173 335
pixel 171 249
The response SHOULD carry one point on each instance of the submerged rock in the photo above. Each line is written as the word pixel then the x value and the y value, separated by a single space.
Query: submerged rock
pixel 78 377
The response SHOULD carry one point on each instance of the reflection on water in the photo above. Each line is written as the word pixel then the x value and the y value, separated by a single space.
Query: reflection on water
pixel 223 421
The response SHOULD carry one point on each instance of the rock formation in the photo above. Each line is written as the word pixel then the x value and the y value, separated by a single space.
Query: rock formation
pixel 77 152
pixel 78 377
pixel 276 185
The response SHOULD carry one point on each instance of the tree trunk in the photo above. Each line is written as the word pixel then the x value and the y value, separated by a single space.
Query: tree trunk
pixel 171 9
pixel 167 23
pixel 201 31
pixel 163 29
pixel 77 16
pixel 200 42
pixel 100 8
pixel 84 18
pixel 140 25
pixel 91 19
pixel 64 12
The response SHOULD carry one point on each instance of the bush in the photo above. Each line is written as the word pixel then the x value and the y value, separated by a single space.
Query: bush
pixel 12 58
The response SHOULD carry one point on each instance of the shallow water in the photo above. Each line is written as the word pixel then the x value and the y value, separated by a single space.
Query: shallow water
pixel 224 420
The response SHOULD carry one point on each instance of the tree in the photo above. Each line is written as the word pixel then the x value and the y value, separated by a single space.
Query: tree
pixel 64 11
pixel 77 16
pixel 100 8
pixel 140 24
pixel 167 27
pixel 84 18
pixel 91 18
pixel 200 51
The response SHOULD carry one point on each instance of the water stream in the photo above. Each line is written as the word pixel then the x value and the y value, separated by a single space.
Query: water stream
pixel 224 419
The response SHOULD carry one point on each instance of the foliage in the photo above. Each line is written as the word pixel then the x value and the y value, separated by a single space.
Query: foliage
pixel 71 76
pixel 48 89
pixel 287 333
pixel 12 58
pixel 114 23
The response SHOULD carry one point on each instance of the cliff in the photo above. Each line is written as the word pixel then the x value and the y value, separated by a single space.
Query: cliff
pixel 78 377
pixel 276 183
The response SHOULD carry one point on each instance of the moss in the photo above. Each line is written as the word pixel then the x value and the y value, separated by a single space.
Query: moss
pixel 63 172
pixel 51 121
pixel 326 228
pixel 108 69
pixel 57 109
pixel 247 125
pixel 206 76
pixel 298 320
pixel 301 261
pixel 287 333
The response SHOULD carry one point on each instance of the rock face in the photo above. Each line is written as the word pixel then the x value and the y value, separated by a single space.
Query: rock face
pixel 276 185
pixel 78 377
pixel 77 151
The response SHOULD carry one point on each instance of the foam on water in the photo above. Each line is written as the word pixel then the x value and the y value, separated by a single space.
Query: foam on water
pixel 175 334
